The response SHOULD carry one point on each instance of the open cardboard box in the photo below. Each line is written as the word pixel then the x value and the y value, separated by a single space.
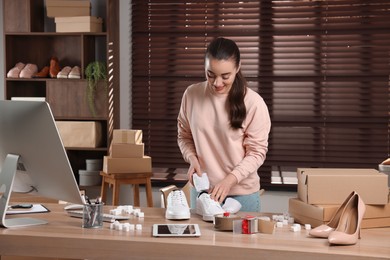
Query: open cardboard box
pixel 331 186
pixel 315 215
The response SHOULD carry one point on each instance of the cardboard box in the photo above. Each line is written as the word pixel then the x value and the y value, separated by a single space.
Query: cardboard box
pixel 127 136
pixel 315 215
pixel 127 150
pixel 332 186
pixel 66 8
pixel 127 165
pixel 79 24
pixel 86 134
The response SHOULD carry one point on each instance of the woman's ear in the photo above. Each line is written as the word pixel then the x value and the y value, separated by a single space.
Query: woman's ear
pixel 239 67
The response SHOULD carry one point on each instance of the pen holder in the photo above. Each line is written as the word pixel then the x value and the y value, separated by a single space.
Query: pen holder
pixel 93 215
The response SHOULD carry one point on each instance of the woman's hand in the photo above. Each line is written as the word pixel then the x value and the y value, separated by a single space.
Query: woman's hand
pixel 194 168
pixel 221 190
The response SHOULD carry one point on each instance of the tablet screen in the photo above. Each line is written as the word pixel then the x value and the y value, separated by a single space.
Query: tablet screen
pixel 176 230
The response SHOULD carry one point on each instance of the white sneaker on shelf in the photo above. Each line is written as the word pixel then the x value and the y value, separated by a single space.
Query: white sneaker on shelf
pixel 201 183
pixel 207 207
pixel 232 205
pixel 177 206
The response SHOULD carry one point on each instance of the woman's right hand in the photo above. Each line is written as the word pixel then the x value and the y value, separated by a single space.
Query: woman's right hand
pixel 194 168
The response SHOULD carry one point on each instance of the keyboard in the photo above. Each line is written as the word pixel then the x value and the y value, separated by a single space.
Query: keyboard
pixel 106 217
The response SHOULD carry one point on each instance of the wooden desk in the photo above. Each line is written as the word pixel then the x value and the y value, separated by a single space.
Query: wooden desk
pixel 63 237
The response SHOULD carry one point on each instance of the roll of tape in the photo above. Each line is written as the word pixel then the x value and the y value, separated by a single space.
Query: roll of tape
pixel 225 223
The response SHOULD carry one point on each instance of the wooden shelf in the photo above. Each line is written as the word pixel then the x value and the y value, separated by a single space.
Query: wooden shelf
pixel 29 38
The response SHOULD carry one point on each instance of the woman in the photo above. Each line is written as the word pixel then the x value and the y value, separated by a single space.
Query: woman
pixel 223 128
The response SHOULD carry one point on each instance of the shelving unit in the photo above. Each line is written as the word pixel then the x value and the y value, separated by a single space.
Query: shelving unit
pixel 30 37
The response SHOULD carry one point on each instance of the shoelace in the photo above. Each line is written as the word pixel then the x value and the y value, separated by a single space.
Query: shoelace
pixel 177 198
pixel 210 202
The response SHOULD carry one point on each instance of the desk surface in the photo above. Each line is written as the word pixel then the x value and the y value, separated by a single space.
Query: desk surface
pixel 63 237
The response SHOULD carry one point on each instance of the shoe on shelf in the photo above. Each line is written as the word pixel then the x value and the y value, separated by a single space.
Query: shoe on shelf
pixel 348 228
pixel 54 67
pixel 231 205
pixel 324 230
pixel 207 207
pixel 15 71
pixel 63 74
pixel 177 206
pixel 28 71
pixel 74 73
pixel 44 73
pixel 201 183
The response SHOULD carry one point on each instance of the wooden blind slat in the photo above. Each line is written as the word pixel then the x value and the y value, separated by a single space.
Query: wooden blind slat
pixel 321 66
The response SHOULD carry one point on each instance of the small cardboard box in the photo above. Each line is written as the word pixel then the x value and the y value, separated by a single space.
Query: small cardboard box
pixel 86 134
pixel 127 136
pixel 127 150
pixel 66 8
pixel 79 24
pixel 127 165
pixel 315 215
pixel 332 186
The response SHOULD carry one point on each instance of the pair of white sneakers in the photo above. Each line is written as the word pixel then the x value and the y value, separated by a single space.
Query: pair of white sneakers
pixel 177 206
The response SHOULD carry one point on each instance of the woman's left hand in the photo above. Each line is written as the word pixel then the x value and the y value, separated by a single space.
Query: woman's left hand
pixel 221 189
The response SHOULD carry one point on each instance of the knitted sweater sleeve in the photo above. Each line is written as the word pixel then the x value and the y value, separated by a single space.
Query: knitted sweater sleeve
pixel 184 137
pixel 256 130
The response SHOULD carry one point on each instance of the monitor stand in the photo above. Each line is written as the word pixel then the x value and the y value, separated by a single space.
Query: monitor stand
pixel 7 176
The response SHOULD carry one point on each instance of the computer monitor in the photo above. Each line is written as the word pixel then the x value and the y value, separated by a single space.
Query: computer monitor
pixel 32 158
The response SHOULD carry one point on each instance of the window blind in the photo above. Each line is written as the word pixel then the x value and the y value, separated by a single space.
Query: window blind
pixel 322 68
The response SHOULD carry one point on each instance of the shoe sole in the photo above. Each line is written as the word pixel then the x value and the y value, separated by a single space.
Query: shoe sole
pixel 178 217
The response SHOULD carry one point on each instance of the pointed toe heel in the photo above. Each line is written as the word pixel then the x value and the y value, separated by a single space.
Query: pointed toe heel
pixel 348 229
pixel 323 231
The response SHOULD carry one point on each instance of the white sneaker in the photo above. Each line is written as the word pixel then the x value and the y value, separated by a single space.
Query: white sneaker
pixel 232 205
pixel 207 207
pixel 201 183
pixel 177 206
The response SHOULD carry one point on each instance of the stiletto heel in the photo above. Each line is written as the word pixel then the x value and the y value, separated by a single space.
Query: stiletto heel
pixel 324 230
pixel 348 229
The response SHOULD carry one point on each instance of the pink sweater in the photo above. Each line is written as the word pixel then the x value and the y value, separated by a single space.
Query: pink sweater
pixel 204 131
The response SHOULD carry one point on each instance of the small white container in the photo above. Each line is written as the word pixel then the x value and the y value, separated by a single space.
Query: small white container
pixel 89 178
pixel 94 164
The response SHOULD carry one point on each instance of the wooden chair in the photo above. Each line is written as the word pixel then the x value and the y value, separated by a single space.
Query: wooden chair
pixel 117 179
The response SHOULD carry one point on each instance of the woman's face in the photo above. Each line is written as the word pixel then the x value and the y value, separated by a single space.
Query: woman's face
pixel 220 74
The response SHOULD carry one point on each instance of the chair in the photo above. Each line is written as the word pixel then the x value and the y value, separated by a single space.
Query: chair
pixel 135 179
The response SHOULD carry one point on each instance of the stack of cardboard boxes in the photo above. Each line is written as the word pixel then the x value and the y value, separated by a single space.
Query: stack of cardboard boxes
pixel 127 153
pixel 322 191
pixel 73 16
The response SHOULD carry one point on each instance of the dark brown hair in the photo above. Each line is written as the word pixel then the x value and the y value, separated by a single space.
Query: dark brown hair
pixel 225 49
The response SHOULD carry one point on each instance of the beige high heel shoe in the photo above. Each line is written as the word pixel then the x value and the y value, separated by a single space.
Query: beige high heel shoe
pixel 348 229
pixel 324 230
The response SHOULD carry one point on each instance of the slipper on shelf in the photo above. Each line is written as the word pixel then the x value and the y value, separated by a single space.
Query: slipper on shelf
pixel 63 74
pixel 44 73
pixel 74 73
pixel 54 67
pixel 28 71
pixel 15 71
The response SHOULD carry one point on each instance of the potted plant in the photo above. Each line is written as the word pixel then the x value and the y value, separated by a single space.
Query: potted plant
pixel 94 72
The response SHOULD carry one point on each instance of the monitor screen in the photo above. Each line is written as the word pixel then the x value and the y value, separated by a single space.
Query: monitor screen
pixel 32 157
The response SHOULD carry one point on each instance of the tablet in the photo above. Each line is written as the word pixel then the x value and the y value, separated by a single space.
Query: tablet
pixel 176 230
